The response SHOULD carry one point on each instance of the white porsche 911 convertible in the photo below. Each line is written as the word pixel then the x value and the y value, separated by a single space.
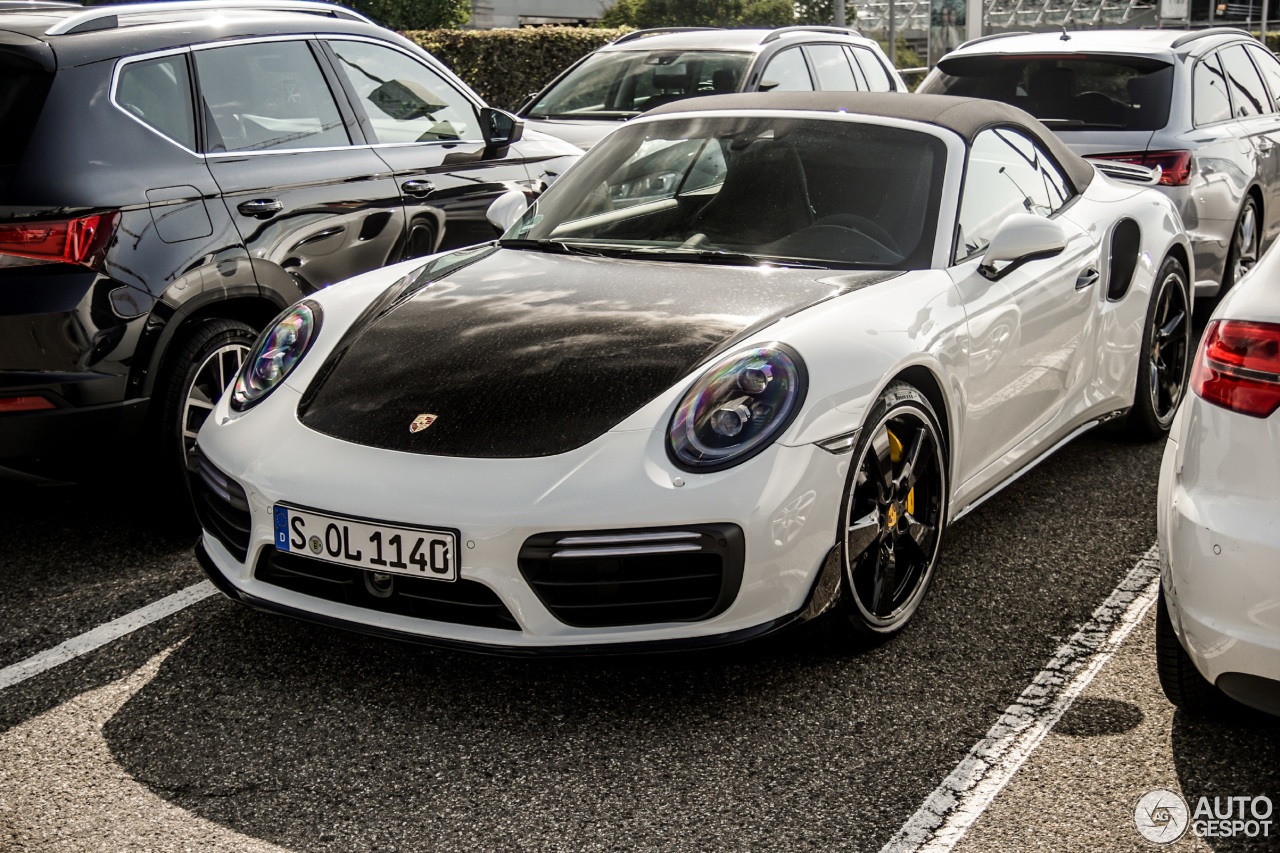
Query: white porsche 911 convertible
pixel 743 363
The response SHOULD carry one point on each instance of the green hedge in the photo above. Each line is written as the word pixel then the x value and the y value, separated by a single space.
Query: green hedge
pixel 505 65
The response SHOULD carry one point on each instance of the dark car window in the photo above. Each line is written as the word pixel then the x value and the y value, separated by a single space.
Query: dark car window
pixel 1209 99
pixel 1007 173
pixel 878 79
pixel 157 92
pixel 770 187
pixel 1248 95
pixel 1270 68
pixel 22 94
pixel 621 84
pixel 268 96
pixel 787 72
pixel 405 100
pixel 831 66
pixel 1121 92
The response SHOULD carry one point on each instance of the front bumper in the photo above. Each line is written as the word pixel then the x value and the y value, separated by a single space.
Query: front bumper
pixel 785 501
pixel 1218 517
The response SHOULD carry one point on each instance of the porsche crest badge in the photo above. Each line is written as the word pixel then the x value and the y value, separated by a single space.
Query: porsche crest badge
pixel 421 422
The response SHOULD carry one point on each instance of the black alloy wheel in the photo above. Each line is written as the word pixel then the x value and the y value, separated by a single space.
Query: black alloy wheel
pixel 1166 354
pixel 894 512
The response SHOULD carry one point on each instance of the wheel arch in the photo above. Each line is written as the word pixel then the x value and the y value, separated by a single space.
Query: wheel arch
pixel 251 308
pixel 926 382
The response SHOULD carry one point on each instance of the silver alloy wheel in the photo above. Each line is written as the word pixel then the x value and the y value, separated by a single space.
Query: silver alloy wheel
pixel 208 384
pixel 1170 347
pixel 1245 242
pixel 893 518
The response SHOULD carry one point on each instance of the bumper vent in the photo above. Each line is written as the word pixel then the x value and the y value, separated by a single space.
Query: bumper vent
pixel 221 505
pixel 461 602
pixel 603 578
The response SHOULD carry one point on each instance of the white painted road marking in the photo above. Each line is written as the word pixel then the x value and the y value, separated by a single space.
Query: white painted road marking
pixel 103 634
pixel 962 797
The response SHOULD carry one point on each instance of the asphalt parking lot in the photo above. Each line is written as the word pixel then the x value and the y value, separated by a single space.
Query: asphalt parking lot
pixel 222 728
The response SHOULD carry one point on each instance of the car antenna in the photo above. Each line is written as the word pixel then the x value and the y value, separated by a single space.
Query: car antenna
pixel 1064 36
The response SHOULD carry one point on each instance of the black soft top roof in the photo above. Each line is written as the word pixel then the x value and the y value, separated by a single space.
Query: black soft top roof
pixel 963 116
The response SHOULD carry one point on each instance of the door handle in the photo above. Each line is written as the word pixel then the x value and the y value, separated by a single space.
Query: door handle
pixel 418 187
pixel 260 208
pixel 1086 278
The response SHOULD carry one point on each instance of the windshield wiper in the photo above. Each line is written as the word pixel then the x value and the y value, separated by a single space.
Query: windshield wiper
pixel 555 247
pixel 714 256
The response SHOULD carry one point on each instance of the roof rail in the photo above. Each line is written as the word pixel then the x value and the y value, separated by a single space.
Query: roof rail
pixel 108 17
pixel 1212 31
pixel 28 5
pixel 782 31
pixel 994 36
pixel 639 34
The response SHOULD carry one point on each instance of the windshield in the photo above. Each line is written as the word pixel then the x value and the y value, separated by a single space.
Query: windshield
pixel 1094 93
pixel 621 84
pixel 826 192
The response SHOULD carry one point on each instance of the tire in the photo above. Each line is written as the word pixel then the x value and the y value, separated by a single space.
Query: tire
pixel 205 360
pixel 1165 357
pixel 1181 682
pixel 893 513
pixel 1242 254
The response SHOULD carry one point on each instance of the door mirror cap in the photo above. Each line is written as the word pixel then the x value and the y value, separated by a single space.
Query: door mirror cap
pixel 507 209
pixel 1021 238
pixel 500 128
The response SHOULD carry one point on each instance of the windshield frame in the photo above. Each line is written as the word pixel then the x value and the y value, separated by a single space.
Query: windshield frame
pixel 932 251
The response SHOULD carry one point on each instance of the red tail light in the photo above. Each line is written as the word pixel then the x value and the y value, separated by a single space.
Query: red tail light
pixel 28 403
pixel 82 240
pixel 1175 166
pixel 1238 367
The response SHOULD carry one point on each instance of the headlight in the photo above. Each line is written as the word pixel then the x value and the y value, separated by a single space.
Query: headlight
pixel 740 404
pixel 275 354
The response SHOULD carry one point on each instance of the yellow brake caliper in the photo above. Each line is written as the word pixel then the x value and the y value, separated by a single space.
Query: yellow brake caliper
pixel 895 455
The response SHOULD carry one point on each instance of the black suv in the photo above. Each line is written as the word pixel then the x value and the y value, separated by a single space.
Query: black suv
pixel 173 175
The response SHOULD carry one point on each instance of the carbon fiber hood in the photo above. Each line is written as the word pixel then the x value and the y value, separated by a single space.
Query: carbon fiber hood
pixel 529 354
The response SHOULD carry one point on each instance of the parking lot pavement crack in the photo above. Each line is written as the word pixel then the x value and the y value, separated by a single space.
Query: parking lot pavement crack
pixel 62 789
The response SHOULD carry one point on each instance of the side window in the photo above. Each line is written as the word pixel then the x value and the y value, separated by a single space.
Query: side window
pixel 787 72
pixel 831 67
pixel 1209 99
pixel 1248 95
pixel 158 93
pixel 405 100
pixel 267 96
pixel 878 79
pixel 1007 173
pixel 1270 69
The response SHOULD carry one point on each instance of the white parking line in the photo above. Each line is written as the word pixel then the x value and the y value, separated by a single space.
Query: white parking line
pixel 963 796
pixel 103 634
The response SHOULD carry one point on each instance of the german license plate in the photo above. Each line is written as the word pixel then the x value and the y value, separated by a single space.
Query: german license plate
pixel 422 552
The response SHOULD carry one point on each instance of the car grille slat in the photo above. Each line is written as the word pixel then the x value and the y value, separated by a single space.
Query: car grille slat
pixel 221 506
pixel 461 602
pixel 597 579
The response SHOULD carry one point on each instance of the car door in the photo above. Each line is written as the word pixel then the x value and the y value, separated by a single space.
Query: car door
pixel 1269 67
pixel 1030 332
pixel 427 131
pixel 312 207
pixel 1256 121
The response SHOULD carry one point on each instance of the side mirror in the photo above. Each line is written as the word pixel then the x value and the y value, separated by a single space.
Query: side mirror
pixel 500 128
pixel 507 209
pixel 1021 238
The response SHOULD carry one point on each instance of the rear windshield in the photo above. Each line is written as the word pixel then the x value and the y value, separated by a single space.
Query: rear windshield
pixel 1065 92
pixel 621 84
pixel 22 94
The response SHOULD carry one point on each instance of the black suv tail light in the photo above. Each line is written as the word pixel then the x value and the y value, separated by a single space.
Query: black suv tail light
pixel 81 240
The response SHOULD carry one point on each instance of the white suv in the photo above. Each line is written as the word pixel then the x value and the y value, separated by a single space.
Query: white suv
pixel 649 68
